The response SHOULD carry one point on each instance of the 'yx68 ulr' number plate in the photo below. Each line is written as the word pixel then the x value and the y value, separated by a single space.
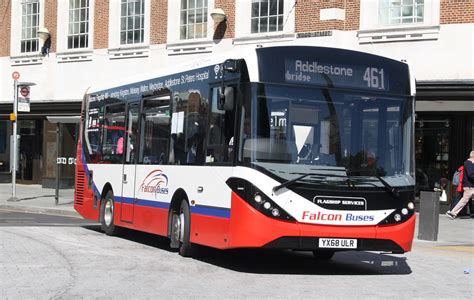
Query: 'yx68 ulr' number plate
pixel 338 243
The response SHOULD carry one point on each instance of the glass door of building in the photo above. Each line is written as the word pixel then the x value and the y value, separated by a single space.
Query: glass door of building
pixel 30 154
pixel 432 153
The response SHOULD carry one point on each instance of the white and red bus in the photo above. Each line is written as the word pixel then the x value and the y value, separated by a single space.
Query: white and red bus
pixel 292 147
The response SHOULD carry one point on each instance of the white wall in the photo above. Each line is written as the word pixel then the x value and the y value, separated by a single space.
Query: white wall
pixel 450 57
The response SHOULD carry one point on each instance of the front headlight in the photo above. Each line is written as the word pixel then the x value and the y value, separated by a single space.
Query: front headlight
pixel 257 199
pixel 400 215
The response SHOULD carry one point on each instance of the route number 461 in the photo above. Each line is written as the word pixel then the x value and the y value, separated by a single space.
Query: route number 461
pixel 374 78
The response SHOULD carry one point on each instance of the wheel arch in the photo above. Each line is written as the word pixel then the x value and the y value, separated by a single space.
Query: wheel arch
pixel 107 187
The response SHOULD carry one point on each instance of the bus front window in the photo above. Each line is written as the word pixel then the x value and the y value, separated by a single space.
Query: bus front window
pixel 296 130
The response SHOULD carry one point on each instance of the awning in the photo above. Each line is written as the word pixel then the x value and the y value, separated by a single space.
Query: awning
pixel 445 90
pixel 64 119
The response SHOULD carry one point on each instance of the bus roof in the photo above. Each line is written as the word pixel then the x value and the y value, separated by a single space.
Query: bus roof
pixel 248 54
pixel 257 56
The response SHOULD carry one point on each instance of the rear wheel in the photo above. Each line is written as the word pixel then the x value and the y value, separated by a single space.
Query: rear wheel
pixel 107 210
pixel 323 254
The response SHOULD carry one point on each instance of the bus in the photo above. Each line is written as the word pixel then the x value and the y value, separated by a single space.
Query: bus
pixel 289 147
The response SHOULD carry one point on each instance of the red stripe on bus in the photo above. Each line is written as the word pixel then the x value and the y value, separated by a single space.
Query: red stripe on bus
pixel 148 219
pixel 210 231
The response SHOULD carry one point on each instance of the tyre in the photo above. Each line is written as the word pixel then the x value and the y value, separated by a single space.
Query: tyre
pixel 186 248
pixel 107 211
pixel 323 254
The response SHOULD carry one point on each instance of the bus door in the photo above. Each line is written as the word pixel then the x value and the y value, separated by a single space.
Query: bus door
pixel 129 167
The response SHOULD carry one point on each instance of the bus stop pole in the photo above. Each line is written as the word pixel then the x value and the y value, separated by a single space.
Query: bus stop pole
pixel 14 141
pixel 58 162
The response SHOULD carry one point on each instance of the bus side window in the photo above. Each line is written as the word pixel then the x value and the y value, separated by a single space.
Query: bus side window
pixel 93 134
pixel 188 125
pixel 155 128
pixel 113 133
pixel 220 133
pixel 132 133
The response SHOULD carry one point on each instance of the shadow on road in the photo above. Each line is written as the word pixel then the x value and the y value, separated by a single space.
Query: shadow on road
pixel 264 261
pixel 261 261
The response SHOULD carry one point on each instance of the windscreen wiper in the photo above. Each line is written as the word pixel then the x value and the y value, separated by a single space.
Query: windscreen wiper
pixel 390 188
pixel 394 191
pixel 291 181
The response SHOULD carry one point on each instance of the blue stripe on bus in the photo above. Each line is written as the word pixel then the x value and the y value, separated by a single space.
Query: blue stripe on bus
pixel 198 209
pixel 155 204
pixel 219 212
pixel 141 202
pixel 125 200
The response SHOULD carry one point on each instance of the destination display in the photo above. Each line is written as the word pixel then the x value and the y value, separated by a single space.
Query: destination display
pixel 321 73
pixel 332 68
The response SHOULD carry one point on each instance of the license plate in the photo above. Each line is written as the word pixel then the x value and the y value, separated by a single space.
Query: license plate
pixel 338 243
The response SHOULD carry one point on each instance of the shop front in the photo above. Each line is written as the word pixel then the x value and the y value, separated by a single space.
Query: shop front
pixel 444 134
pixel 39 144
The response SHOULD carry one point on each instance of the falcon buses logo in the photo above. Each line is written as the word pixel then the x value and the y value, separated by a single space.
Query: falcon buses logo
pixel 156 182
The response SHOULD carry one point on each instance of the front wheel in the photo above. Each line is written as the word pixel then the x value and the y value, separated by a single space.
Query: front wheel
pixel 107 210
pixel 182 230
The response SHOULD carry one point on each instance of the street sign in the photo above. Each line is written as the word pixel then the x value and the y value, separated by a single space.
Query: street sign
pixel 24 98
pixel 16 75
pixel 25 91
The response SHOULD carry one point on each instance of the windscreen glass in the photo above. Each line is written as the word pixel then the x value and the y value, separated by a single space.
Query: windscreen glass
pixel 291 131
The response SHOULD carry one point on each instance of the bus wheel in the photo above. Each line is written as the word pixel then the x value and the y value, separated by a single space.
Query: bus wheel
pixel 323 254
pixel 107 214
pixel 186 248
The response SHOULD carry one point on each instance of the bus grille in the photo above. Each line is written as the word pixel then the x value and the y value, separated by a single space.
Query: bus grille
pixel 79 195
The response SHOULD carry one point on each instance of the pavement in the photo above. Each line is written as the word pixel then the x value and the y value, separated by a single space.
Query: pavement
pixel 36 199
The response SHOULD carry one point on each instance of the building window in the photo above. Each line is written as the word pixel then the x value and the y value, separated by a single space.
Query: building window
pixel 78 34
pixel 193 23
pixel 267 16
pixel 29 26
pixel 393 12
pixel 132 23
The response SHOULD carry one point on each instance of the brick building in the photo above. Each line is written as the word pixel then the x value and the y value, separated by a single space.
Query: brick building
pixel 94 42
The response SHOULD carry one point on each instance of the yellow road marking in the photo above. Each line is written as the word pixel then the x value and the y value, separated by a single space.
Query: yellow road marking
pixel 457 248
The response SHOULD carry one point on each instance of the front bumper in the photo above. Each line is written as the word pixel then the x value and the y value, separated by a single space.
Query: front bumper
pixel 250 229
